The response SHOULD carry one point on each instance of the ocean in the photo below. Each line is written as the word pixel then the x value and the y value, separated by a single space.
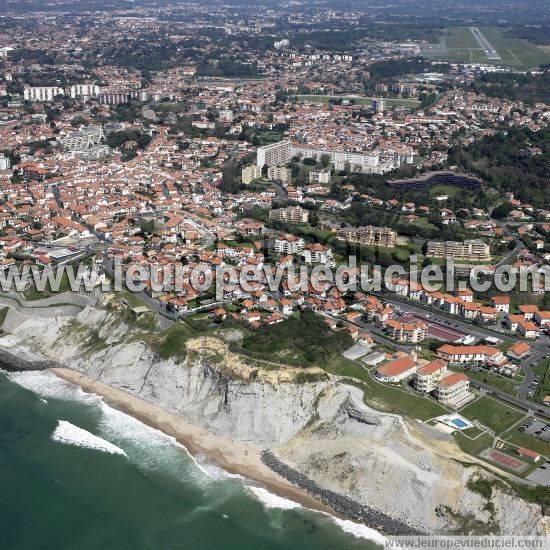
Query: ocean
pixel 76 473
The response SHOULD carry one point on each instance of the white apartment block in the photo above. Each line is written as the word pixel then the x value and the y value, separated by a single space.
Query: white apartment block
pixel 275 154
pixel 251 173
pixel 452 390
pixel 474 250
pixel 83 139
pixel 42 93
pixel 369 235
pixel 84 90
pixel 280 153
pixel 318 254
pixel 320 176
pixel 289 244
pixel 5 163
pixel 428 376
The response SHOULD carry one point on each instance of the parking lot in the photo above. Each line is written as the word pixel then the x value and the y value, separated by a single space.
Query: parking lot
pixel 537 428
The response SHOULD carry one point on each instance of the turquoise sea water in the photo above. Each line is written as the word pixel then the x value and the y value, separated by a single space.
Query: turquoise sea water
pixel 130 487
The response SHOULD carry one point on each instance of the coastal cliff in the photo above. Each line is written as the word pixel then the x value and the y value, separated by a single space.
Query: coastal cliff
pixel 316 430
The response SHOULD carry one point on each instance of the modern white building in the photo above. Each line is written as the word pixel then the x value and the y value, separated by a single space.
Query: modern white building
pixel 274 154
pixel 84 90
pixel 289 244
pixel 5 163
pixel 452 390
pixel 42 93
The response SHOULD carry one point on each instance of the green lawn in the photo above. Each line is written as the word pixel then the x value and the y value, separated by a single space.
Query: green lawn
pixel 32 293
pixel 500 382
pixel 492 413
pixel 543 371
pixel 530 442
pixel 473 446
pixel 3 313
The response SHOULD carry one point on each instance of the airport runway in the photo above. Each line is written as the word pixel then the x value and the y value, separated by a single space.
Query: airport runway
pixel 490 52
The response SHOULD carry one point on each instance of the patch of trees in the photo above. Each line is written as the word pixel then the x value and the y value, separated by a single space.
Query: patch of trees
pixel 517 161
pixel 306 333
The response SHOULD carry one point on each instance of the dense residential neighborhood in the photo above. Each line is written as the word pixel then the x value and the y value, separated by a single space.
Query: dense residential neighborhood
pixel 242 149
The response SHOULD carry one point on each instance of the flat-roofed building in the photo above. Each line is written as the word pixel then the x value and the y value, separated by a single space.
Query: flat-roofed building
pixel 42 93
pixel 430 179
pixel 289 244
pixel 290 214
pixel 280 173
pixel 251 173
pixel 474 250
pixel 369 235
pixel 274 154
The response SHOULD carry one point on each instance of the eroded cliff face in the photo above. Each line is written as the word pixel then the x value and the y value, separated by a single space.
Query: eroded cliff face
pixel 323 428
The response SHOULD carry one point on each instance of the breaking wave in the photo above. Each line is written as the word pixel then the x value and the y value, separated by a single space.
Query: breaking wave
pixel 70 434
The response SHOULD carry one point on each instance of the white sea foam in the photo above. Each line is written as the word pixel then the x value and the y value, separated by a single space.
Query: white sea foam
pixel 270 500
pixel 359 530
pixel 73 435
pixel 48 385
pixel 121 427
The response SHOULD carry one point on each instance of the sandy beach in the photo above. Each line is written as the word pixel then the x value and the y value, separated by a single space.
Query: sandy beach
pixel 234 457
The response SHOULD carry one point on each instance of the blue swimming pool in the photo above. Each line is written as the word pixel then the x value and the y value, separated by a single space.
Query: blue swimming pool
pixel 458 423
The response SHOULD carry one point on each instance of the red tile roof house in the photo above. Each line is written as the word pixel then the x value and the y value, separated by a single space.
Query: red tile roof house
pixel 519 350
pixel 397 370
pixel 528 453
pixel 471 354
pixel 528 311
pixel 501 303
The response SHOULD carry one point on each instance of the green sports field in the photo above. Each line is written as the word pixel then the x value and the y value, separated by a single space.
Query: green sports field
pixel 459 44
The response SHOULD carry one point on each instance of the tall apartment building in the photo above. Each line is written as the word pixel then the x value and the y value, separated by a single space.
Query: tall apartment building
pixel 474 250
pixel 290 214
pixel 251 173
pixel 84 90
pixel 369 235
pixel 320 176
pixel 42 93
pixel 5 163
pixel 83 139
pixel 289 244
pixel 280 173
pixel 280 153
pixel 119 97
pixel 428 376
pixel 367 163
pixel 274 154
pixel 452 390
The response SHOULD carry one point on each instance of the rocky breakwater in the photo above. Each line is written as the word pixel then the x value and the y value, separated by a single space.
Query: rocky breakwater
pixel 373 466
pixel 12 362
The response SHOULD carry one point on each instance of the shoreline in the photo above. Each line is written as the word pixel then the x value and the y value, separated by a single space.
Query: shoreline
pixel 234 457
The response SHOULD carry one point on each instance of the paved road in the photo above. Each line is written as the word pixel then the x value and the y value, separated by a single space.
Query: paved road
pixel 489 50
pixel 463 326
pixel 540 350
